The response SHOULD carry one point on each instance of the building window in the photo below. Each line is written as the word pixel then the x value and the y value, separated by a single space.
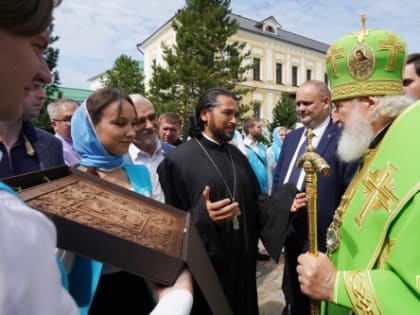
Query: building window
pixel 269 29
pixel 279 73
pixel 308 74
pixel 257 69
pixel 294 76
pixel 257 110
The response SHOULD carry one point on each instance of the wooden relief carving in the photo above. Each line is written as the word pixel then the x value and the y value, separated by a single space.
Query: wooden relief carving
pixel 111 212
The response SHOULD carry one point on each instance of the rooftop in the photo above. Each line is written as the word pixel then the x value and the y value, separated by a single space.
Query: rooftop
pixel 255 27
pixel 78 95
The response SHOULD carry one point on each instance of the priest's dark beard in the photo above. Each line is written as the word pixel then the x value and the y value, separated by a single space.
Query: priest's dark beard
pixel 220 134
pixel 356 137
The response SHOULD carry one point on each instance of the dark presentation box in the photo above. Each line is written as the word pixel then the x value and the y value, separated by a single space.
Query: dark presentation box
pixel 108 223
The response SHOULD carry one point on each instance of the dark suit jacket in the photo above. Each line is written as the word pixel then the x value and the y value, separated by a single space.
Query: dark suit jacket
pixel 330 188
pixel 49 150
pixel 16 161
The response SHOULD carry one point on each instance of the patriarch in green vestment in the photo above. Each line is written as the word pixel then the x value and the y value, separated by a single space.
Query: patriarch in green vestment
pixel 372 265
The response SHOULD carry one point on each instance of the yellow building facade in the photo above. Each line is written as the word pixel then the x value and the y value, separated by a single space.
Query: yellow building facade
pixel 282 60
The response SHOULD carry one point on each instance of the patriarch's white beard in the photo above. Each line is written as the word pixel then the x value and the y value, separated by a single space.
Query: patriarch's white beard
pixel 355 138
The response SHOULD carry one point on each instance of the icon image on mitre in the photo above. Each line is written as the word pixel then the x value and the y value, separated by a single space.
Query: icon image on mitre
pixel 361 62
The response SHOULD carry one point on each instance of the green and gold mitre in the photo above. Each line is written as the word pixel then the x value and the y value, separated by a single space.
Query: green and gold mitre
pixel 366 62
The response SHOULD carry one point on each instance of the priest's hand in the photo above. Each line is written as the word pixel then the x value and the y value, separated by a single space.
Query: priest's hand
pixel 221 210
pixel 299 202
pixel 316 276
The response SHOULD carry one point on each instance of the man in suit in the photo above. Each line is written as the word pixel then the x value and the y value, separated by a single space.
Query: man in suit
pixel 313 109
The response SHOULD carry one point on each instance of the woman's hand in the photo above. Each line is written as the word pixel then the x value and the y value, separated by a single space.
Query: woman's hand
pixel 184 281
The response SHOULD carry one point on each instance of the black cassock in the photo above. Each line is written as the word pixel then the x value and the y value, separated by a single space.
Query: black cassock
pixel 184 173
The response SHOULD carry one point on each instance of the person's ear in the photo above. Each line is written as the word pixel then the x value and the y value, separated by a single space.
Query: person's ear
pixel 372 101
pixel 204 115
pixel 326 100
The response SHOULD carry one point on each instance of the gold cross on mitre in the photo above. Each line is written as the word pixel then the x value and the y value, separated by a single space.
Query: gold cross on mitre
pixel 360 35
pixel 379 186
pixel 394 46
pixel 333 54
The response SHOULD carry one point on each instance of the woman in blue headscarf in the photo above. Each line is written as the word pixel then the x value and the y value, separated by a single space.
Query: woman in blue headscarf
pixel 102 131
pixel 273 153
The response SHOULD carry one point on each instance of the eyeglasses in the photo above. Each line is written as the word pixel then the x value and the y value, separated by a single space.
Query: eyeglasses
pixel 66 120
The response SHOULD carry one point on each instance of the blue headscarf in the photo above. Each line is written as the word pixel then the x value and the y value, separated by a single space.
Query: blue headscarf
pixel 277 143
pixel 87 144
pixel 86 272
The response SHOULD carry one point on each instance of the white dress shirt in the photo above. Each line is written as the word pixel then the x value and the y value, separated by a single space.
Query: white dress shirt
pixel 137 156
pixel 317 133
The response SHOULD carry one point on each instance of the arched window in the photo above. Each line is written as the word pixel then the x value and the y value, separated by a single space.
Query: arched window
pixel 269 29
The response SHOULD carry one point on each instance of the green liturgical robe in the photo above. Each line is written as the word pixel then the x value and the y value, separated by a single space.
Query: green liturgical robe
pixel 377 254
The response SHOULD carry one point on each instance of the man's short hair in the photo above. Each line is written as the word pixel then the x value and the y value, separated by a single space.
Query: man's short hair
pixel 136 98
pixel 26 17
pixel 172 118
pixel 249 123
pixel 414 58
pixel 64 103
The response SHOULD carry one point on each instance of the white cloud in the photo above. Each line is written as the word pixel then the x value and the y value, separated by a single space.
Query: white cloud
pixel 94 33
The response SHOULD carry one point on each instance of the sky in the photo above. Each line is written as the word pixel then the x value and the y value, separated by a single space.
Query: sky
pixel 94 33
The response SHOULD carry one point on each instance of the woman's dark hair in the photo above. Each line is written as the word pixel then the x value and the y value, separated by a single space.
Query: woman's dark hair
pixel 26 17
pixel 207 101
pixel 101 99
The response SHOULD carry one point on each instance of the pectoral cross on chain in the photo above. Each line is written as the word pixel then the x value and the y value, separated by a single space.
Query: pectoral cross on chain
pixel 378 192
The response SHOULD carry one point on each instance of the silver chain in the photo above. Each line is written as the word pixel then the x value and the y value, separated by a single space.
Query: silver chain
pixel 231 196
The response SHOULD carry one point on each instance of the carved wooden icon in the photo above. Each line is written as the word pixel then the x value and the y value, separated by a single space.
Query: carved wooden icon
pixel 108 223
pixel 106 210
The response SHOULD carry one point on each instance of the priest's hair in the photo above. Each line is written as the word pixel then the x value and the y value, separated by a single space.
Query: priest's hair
pixel 208 100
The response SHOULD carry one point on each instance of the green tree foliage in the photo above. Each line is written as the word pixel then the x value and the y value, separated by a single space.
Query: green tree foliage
pixel 53 93
pixel 244 109
pixel 125 75
pixel 201 58
pixel 284 113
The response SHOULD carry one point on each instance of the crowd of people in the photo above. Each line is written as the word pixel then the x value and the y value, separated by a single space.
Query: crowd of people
pixel 237 190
